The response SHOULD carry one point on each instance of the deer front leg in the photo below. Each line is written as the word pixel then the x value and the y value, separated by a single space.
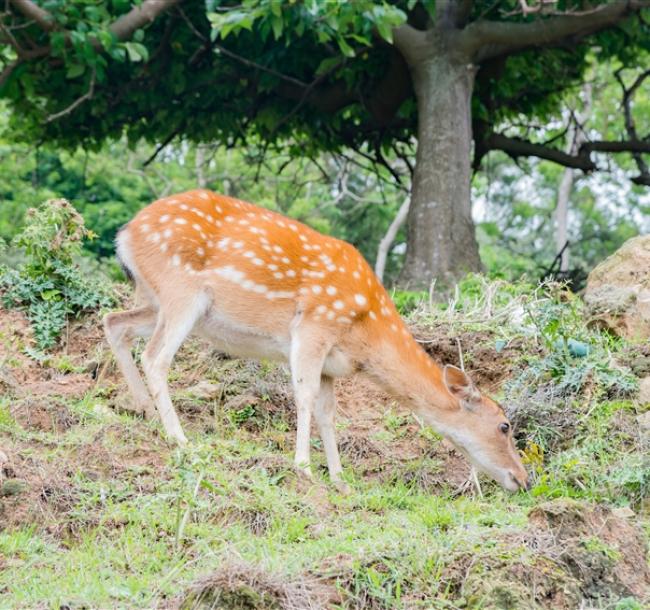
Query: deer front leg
pixel 308 352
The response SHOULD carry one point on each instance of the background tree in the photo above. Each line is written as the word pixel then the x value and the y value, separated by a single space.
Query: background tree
pixel 312 76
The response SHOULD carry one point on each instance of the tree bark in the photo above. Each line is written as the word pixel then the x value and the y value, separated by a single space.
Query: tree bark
pixel 441 240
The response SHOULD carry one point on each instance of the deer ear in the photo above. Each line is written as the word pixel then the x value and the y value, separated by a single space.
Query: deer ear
pixel 460 385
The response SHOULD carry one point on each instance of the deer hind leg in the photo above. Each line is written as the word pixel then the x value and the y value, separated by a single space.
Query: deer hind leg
pixel 325 411
pixel 308 352
pixel 120 329
pixel 172 327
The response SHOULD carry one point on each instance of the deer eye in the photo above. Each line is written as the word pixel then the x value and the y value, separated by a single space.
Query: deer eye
pixel 504 427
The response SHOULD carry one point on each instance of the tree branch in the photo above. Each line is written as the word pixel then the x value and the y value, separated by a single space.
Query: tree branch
pixel 86 96
pixel 630 126
pixel 517 147
pixel 410 42
pixel 32 11
pixel 487 39
pixel 139 16
pixel 122 28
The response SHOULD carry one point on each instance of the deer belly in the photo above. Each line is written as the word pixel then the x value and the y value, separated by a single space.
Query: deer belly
pixel 337 364
pixel 239 340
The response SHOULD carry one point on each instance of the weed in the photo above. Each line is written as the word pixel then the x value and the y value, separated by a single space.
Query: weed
pixel 50 286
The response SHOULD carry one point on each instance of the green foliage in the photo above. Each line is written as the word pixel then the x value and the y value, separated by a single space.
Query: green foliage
pixel 49 285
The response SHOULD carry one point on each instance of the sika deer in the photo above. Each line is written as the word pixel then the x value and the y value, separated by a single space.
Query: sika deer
pixel 261 285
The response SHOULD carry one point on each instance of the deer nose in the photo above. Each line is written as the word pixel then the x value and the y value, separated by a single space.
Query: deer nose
pixel 526 485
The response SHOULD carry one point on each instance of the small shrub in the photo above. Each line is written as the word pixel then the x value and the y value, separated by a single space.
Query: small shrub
pixel 50 285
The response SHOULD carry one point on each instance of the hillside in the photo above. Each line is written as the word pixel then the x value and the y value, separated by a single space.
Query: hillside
pixel 98 510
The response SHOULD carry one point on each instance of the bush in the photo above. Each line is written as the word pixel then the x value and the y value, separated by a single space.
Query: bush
pixel 50 286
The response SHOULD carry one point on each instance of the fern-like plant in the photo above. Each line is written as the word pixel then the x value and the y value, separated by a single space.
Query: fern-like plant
pixel 50 286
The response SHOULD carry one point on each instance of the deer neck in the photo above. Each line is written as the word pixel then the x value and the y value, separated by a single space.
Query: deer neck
pixel 403 369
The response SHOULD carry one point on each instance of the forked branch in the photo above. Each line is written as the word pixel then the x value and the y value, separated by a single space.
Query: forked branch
pixel 486 39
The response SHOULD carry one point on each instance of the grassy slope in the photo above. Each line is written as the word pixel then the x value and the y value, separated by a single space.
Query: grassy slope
pixel 96 509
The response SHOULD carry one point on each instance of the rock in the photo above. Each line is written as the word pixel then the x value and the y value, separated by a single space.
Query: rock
pixel 644 391
pixel 618 290
pixel 205 390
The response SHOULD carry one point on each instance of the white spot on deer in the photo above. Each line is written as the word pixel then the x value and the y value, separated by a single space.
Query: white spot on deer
pixel 196 226
pixel 304 259
pixel 164 218
pixel 144 227
pixel 229 273
pixel 180 221
pixel 338 304
pixel 204 195
pixel 278 274
pixel 238 244
pixel 330 315
pixel 302 238
pixel 360 299
pixel 356 275
pixel 317 289
pixel 343 320
pixel 291 273
pixel 184 206
pixel 331 290
pixel 200 251
pixel 229 219
pixel 393 327
pixel 257 261
pixel 249 254
pixel 163 247
pixel 218 209
pixel 176 260
pixel 321 309
pixel 385 311
pixel 222 244
pixel 243 222
pixel 372 315
pixel 332 268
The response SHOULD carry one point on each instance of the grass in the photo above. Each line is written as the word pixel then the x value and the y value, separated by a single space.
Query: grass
pixel 110 515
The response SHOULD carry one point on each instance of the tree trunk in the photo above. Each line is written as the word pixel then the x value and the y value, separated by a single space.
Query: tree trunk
pixel 562 218
pixel 389 238
pixel 441 240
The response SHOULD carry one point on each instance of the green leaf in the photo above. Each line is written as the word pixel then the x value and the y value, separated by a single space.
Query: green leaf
pixel 346 49
pixel 326 65
pixel 75 70
pixel 136 51
pixel 277 24
pixel 385 31
pixel 48 295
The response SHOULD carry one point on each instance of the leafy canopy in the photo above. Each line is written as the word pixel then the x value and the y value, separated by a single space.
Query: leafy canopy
pixel 308 75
